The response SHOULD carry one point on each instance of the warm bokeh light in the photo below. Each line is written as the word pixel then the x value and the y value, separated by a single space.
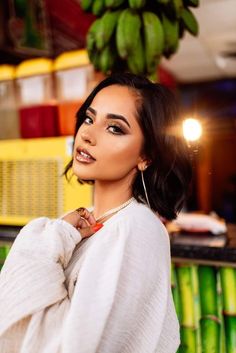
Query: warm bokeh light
pixel 192 129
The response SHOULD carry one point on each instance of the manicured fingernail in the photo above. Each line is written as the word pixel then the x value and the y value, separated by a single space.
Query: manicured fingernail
pixel 97 226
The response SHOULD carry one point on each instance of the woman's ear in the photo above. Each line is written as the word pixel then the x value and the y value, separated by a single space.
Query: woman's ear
pixel 143 164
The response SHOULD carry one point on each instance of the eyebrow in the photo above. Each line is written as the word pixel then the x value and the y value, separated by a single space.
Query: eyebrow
pixel 111 116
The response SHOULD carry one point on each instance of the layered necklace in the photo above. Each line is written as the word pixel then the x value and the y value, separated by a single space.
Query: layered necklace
pixel 114 210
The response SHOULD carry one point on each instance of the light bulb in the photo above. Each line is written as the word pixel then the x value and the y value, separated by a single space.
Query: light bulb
pixel 192 129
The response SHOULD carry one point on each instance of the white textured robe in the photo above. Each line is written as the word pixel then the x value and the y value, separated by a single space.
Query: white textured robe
pixel 109 293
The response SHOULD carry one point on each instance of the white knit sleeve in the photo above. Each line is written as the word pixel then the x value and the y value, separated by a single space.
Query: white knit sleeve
pixel 32 277
pixel 122 293
pixel 120 300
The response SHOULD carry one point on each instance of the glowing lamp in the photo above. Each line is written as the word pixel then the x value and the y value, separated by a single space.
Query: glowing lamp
pixel 192 129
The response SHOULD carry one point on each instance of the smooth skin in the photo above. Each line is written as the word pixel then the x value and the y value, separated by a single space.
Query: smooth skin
pixel 111 135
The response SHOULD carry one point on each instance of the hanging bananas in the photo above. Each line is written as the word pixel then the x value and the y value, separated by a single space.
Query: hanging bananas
pixel 171 36
pixel 153 40
pixel 189 21
pixel 86 4
pixel 98 7
pixel 136 4
pixel 191 3
pixel 127 33
pixel 178 6
pixel 135 34
pixel 113 3
pixel 136 60
pixel 106 28
pixel 107 59
pixel 91 38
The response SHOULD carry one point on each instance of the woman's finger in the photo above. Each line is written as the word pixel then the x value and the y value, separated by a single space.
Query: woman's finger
pixel 80 218
pixel 82 223
pixel 85 214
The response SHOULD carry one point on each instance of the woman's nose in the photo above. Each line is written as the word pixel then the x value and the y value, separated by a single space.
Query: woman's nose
pixel 87 136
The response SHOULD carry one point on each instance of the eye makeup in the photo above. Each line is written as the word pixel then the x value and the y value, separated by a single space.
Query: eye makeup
pixel 109 116
pixel 115 129
pixel 112 126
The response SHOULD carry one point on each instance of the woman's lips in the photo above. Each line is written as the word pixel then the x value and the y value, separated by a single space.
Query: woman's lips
pixel 84 156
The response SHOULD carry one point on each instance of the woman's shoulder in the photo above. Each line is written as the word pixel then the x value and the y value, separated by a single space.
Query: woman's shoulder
pixel 138 218
pixel 45 225
pixel 140 214
pixel 36 224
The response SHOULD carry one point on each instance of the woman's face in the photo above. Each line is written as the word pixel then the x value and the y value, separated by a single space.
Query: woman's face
pixel 108 144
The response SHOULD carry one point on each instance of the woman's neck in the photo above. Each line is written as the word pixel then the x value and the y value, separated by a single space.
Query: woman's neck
pixel 109 195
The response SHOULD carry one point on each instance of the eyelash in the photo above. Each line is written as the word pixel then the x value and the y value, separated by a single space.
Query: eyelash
pixel 117 130
pixel 87 117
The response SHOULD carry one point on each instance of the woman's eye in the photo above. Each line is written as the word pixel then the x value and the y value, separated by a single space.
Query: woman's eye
pixel 115 130
pixel 88 120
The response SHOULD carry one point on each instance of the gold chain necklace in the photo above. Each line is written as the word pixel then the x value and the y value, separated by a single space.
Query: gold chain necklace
pixel 114 210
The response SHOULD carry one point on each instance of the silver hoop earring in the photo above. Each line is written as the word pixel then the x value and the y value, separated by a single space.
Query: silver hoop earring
pixel 145 190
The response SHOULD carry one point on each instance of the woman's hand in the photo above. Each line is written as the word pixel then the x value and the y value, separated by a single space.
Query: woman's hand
pixel 84 221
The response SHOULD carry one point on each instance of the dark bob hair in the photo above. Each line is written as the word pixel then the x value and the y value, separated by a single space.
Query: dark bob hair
pixel 168 176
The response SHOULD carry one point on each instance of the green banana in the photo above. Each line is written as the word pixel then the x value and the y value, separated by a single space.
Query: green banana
pixel 171 36
pixel 94 56
pixel 128 32
pixel 107 59
pixel 189 21
pixel 86 5
pixel 113 3
pixel 98 7
pixel 153 40
pixel 91 35
pixel 141 37
pixel 136 60
pixel 178 6
pixel 137 4
pixel 95 59
pixel 106 29
pixel 191 3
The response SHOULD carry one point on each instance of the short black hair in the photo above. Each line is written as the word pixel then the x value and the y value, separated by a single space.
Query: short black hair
pixel 169 174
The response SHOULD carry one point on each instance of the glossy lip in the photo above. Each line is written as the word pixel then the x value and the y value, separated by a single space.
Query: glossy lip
pixel 80 158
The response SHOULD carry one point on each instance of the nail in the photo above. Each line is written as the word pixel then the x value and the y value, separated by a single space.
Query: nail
pixel 97 226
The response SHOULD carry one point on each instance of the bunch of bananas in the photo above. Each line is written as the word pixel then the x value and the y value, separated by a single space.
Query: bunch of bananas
pixel 133 35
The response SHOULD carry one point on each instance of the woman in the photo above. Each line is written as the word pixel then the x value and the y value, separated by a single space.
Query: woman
pixel 99 280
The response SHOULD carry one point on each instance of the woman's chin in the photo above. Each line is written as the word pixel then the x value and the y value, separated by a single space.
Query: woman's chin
pixel 80 174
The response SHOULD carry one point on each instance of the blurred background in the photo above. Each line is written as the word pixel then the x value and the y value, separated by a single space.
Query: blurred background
pixel 46 73
pixel 202 73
